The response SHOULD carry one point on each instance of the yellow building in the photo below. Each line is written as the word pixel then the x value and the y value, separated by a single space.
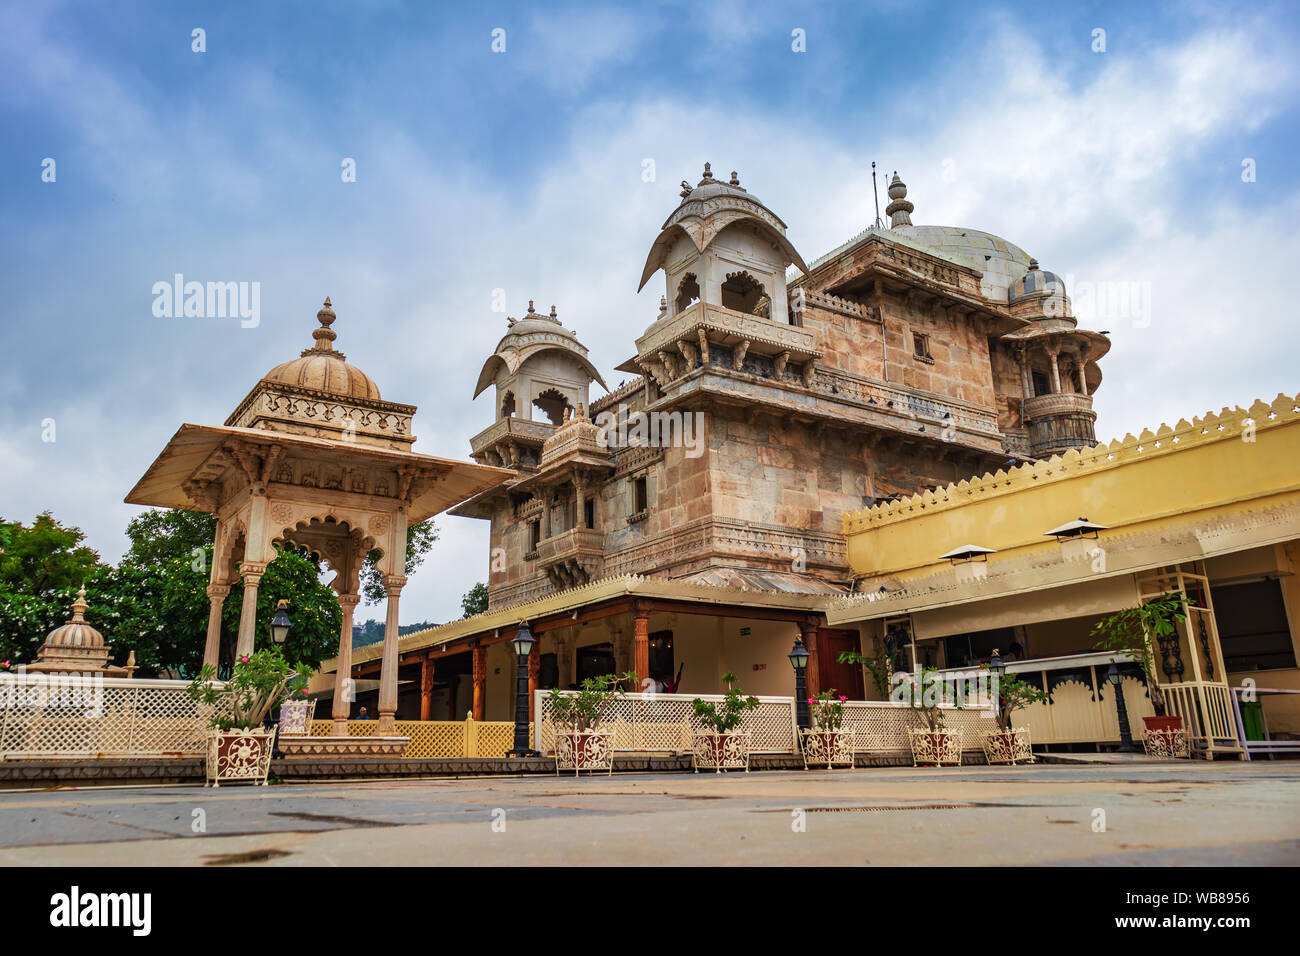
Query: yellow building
pixel 1029 559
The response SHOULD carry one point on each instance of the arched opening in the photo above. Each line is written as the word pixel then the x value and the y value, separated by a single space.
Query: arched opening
pixel 508 405
pixel 552 404
pixel 688 291
pixel 743 293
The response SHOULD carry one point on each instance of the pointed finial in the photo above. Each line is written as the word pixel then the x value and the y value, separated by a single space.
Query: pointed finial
pixel 324 335
pixel 663 303
pixel 735 179
pixel 708 171
pixel 899 210
pixel 1033 265
pixel 531 310
pixel 686 189
pixel 553 312
pixel 79 607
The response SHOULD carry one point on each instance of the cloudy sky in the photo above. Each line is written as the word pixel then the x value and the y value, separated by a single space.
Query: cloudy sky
pixel 1165 163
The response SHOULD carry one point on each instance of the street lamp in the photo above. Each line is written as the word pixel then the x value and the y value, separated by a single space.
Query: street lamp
pixel 280 624
pixel 799 661
pixel 523 645
pixel 1125 737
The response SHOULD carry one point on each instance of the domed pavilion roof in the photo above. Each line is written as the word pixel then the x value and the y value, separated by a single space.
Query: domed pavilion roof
pixel 323 369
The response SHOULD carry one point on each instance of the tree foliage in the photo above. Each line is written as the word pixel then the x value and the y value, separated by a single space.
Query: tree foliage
pixel 419 540
pixel 475 600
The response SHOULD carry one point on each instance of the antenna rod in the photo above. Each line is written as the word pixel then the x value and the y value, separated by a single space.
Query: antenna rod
pixel 874 192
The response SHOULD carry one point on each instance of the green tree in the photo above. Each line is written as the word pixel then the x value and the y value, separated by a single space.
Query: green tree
pixel 419 540
pixel 475 600
pixel 41 567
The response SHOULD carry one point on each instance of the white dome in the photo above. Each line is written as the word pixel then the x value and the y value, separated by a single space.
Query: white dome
pixel 1001 262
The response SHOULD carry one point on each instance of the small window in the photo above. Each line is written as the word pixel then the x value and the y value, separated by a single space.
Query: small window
pixel 589 513
pixel 921 345
pixel 640 497
pixel 534 534
pixel 1041 384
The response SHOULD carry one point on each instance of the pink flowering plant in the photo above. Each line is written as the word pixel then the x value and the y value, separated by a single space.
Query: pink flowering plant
pixel 260 681
pixel 826 710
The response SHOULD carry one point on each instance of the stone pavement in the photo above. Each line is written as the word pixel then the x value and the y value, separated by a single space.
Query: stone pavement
pixel 1174 813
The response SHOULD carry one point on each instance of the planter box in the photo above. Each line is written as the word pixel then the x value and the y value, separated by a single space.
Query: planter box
pixel 1164 737
pixel 580 750
pixel 937 747
pixel 729 751
pixel 238 755
pixel 1008 746
pixel 829 747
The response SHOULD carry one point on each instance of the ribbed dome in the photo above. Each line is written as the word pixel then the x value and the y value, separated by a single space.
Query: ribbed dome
pixel 76 633
pixel 1036 281
pixel 323 369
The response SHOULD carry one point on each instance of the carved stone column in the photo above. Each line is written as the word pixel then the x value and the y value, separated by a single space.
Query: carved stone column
pixel 1052 354
pixel 480 681
pixel 426 689
pixel 251 572
pixel 217 594
pixel 393 584
pixel 343 693
pixel 641 642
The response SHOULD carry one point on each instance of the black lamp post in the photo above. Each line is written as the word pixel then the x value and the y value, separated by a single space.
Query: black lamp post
pixel 523 645
pixel 997 669
pixel 280 627
pixel 1125 737
pixel 799 661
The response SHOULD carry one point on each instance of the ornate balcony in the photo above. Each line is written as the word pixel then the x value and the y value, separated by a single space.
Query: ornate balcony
pixel 503 441
pixel 1059 422
pixel 1059 403
pixel 572 557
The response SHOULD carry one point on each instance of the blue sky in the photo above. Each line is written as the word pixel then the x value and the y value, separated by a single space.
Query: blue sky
pixel 522 171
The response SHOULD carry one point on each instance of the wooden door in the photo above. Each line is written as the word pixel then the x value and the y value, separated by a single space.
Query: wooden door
pixel 845 678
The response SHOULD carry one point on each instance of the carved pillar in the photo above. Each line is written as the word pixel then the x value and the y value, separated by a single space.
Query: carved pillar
pixel 480 680
pixel 641 642
pixel 580 488
pixel 343 692
pixel 534 670
pixel 426 689
pixel 393 584
pixel 212 646
pixel 813 676
pixel 1083 379
pixel 251 572
pixel 1052 354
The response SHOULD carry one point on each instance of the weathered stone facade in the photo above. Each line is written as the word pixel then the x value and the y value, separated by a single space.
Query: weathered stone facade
pixel 909 357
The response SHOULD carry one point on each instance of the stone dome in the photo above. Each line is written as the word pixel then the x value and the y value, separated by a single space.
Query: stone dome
pixel 1035 282
pixel 76 633
pixel 1000 261
pixel 709 188
pixel 323 369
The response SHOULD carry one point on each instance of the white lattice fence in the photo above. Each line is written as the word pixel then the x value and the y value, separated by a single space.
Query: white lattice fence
pixel 57 716
pixel 666 722
pixel 435 739
pixel 882 726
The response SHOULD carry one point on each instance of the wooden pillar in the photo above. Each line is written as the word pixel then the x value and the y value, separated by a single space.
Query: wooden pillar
pixel 534 670
pixel 480 681
pixel 641 642
pixel 393 584
pixel 343 687
pixel 426 689
pixel 812 677
pixel 251 572
pixel 217 594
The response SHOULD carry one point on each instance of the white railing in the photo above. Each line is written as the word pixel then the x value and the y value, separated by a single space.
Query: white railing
pixel 1207 711
pixel 49 715
pixel 665 723
pixel 659 723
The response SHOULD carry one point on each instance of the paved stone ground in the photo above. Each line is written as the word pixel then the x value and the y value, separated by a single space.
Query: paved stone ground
pixel 1184 813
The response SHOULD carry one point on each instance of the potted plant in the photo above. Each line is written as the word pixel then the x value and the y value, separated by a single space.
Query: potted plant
pixel 827 741
pixel 580 742
pixel 931 743
pixel 1131 632
pixel 721 744
pixel 1010 744
pixel 239 746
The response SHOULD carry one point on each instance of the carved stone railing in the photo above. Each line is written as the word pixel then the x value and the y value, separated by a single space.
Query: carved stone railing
pixel 574 543
pixel 728 327
pixel 1060 403
pixel 891 399
pixel 520 429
